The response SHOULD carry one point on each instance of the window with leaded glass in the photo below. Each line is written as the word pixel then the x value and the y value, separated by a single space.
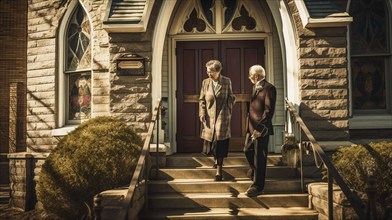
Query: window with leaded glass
pixel 370 48
pixel 78 66
pixel 220 16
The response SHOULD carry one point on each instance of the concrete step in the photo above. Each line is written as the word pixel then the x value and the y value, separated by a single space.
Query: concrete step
pixel 229 172
pixel 225 200
pixel 199 160
pixel 5 193
pixel 294 213
pixel 110 212
pixel 235 185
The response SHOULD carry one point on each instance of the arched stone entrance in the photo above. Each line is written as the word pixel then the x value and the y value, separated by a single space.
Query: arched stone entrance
pixel 218 26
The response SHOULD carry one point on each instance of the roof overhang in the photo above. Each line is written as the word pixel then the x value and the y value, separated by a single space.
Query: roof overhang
pixel 341 19
pixel 127 16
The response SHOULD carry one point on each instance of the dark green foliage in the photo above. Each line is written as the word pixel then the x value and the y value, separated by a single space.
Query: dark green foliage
pixel 100 154
pixel 357 163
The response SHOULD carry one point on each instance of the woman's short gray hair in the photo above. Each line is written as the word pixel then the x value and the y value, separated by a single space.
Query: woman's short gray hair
pixel 257 70
pixel 214 65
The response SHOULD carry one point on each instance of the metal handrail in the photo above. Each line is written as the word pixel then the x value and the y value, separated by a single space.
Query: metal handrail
pixel 137 178
pixel 333 174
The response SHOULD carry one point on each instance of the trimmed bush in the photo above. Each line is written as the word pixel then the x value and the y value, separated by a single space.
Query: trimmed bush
pixel 357 163
pixel 100 154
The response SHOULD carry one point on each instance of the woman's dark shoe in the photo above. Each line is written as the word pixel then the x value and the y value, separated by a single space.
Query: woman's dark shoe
pixel 218 177
pixel 215 165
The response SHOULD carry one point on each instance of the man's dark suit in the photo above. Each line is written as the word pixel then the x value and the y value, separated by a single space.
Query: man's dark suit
pixel 261 110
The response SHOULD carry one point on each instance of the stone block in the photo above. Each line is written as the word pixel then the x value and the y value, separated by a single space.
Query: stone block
pixel 23 169
pixel 318 199
pixel 161 155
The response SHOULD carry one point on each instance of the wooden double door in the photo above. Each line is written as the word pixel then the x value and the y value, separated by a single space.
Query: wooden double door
pixel 236 57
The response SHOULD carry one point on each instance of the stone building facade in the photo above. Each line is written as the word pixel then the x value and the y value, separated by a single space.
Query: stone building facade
pixel 309 55
pixel 323 78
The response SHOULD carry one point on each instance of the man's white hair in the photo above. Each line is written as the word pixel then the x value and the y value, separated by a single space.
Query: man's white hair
pixel 257 70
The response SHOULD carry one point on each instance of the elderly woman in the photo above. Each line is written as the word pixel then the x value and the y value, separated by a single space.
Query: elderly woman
pixel 215 106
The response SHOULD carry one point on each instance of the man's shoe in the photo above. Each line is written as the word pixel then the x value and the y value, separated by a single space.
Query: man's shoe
pixel 253 191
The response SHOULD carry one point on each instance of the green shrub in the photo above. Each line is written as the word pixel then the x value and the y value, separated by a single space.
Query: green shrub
pixel 357 163
pixel 100 154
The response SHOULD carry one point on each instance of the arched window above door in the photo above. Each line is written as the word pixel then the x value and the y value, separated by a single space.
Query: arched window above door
pixel 220 16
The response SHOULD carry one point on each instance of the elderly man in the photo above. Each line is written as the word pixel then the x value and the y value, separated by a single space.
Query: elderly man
pixel 261 110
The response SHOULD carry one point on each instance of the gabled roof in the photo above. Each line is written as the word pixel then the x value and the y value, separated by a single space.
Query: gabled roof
pixel 127 15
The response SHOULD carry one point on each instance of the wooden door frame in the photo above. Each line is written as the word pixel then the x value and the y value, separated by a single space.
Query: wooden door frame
pixel 213 37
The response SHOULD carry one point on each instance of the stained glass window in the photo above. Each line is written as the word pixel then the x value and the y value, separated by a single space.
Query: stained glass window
pixel 230 8
pixel 369 81
pixel 369 29
pixel 207 6
pixel 208 10
pixel 370 55
pixel 78 41
pixel 78 66
pixel 79 96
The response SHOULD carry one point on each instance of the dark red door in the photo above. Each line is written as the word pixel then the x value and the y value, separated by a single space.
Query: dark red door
pixel 236 57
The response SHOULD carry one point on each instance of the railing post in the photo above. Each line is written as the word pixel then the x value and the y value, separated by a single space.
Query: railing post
pixel 300 158
pixel 97 206
pixel 157 145
pixel 145 207
pixel 330 195
pixel 371 190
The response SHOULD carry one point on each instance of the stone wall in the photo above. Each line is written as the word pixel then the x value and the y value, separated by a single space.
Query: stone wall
pixel 130 96
pixel 24 174
pixel 323 77
pixel 44 19
pixel 318 200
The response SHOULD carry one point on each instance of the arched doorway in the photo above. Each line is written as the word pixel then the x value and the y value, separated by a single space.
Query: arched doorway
pixel 230 31
pixel 273 26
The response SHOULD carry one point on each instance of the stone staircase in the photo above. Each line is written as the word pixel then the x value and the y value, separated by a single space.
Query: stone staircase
pixel 5 193
pixel 186 189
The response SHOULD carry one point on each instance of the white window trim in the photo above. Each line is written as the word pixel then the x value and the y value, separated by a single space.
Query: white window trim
pixel 370 122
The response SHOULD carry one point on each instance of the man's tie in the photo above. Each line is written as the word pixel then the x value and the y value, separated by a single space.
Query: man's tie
pixel 254 89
